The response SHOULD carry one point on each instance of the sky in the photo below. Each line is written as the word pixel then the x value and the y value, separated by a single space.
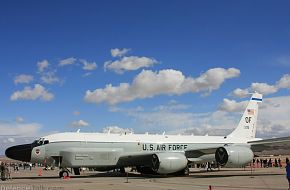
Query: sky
pixel 183 67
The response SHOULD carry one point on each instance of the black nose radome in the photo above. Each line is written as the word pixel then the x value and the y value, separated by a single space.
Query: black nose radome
pixel 19 152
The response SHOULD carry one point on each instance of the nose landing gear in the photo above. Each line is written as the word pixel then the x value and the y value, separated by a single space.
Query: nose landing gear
pixel 64 173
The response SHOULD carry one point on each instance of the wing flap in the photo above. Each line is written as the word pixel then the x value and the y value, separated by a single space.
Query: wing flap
pixel 282 143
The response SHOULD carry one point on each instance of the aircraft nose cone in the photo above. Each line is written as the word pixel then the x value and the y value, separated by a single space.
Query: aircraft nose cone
pixel 19 152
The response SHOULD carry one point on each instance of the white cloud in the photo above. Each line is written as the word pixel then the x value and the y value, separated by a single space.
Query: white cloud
pixel 172 106
pixel 175 121
pixel 148 84
pixel 87 65
pixel 49 77
pixel 119 52
pixel 23 79
pixel 80 123
pixel 67 61
pixel 11 139
pixel 273 119
pixel 242 93
pixel 284 82
pixel 117 130
pixel 233 106
pixel 42 65
pixel 264 88
pixel 13 133
pixel 28 93
pixel 19 129
pixel 19 119
pixel 129 64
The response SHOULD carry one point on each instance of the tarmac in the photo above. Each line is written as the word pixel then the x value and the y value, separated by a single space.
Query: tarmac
pixel 227 179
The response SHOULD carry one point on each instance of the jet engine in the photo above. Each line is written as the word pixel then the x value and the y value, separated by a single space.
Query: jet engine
pixel 233 156
pixel 170 162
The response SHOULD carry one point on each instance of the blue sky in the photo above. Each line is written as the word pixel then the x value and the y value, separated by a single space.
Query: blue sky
pixel 187 58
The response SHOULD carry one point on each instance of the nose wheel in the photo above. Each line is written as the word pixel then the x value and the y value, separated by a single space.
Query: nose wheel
pixel 63 174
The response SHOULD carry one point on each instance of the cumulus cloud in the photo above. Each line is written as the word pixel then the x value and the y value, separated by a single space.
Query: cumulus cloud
pixel 242 93
pixel 116 130
pixel 129 64
pixel 284 82
pixel 148 84
pixel 49 77
pixel 119 52
pixel 67 61
pixel 232 105
pixel 19 79
pixel 274 117
pixel 87 65
pixel 264 88
pixel 28 93
pixel 42 65
pixel 80 123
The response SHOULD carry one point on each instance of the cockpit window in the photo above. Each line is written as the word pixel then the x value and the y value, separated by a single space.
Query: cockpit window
pixel 40 142
pixel 46 142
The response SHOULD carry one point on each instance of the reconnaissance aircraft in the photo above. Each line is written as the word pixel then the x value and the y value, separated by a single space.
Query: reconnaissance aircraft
pixel 155 154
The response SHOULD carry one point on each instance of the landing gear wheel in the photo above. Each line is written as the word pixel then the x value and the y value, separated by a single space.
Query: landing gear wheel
pixel 186 171
pixel 63 174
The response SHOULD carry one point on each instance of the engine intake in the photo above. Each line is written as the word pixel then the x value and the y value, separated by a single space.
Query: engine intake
pixel 166 163
pixel 233 156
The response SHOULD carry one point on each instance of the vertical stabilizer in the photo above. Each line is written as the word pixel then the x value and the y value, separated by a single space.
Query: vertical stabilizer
pixel 248 123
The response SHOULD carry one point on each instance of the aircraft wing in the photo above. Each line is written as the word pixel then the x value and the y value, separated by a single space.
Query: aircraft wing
pixel 270 144
pixel 200 155
pixel 195 153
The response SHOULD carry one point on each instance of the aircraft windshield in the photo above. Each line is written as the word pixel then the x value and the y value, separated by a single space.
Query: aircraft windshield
pixel 40 142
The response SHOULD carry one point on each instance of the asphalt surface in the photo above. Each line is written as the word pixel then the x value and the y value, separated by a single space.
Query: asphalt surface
pixel 227 179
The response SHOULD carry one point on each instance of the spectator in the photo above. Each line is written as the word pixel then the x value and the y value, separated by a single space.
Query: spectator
pixel 276 163
pixel 3 171
pixel 288 172
pixel 280 164
pixel 270 163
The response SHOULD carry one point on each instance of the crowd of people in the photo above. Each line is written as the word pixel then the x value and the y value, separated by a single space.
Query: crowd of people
pixel 267 163
pixel 5 168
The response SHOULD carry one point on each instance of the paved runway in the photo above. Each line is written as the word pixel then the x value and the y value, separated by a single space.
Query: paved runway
pixel 227 179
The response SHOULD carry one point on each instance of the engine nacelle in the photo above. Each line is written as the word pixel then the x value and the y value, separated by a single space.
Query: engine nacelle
pixel 170 162
pixel 233 156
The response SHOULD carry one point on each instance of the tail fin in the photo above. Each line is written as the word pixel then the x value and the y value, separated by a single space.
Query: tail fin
pixel 247 126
